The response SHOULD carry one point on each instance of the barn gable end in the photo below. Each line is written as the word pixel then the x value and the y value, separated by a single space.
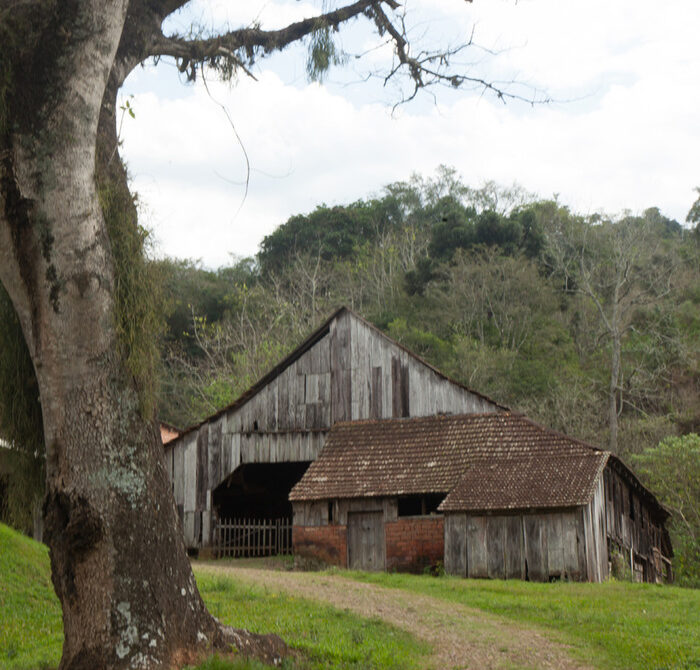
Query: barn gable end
pixel 346 370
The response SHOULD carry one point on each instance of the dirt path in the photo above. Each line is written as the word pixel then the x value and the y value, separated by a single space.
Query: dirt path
pixel 461 637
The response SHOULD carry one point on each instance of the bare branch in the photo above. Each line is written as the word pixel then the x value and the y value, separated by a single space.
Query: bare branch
pixel 239 49
pixel 430 68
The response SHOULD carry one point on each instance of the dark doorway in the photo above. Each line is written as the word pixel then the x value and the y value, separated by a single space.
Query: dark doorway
pixel 258 491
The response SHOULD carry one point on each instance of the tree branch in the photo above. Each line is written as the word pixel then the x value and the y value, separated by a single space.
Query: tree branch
pixel 239 48
pixel 429 68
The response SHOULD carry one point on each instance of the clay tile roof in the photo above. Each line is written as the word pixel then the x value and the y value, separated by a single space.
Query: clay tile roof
pixel 484 461
pixel 563 480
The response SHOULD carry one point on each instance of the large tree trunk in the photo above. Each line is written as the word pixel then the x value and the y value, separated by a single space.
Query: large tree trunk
pixel 118 560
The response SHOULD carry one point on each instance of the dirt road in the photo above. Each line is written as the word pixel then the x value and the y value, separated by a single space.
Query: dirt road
pixel 461 637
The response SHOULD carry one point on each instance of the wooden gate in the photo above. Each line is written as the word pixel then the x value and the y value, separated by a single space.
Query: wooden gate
pixel 239 538
pixel 366 544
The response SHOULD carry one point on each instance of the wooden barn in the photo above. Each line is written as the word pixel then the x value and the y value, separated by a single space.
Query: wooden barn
pixel 240 464
pixel 491 495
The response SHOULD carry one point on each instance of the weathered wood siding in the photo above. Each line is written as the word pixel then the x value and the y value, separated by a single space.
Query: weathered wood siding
pixel 376 537
pixel 572 543
pixel 316 513
pixel 535 546
pixel 351 372
pixel 633 528
pixel 387 382
pixel 366 543
pixel 596 536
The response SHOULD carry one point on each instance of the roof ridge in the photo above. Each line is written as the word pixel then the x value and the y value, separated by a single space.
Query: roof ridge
pixel 440 416
pixel 559 433
pixel 305 345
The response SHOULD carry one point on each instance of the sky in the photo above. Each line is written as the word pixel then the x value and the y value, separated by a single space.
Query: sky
pixel 621 132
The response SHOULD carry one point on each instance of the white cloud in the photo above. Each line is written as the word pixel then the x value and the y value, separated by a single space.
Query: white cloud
pixel 270 14
pixel 632 144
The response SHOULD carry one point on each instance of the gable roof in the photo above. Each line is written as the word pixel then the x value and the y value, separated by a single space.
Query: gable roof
pixel 484 461
pixel 307 344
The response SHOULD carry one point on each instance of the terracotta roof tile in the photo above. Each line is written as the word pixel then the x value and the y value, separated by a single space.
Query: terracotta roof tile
pixel 485 461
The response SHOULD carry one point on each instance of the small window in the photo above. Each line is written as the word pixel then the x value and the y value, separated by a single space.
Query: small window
pixel 420 505
pixel 330 511
pixel 410 506
pixel 432 502
pixel 255 426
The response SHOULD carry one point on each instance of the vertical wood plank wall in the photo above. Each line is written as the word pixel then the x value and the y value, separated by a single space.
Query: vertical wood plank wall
pixel 572 543
pixel 535 546
pixel 632 528
pixel 351 372
pixel 596 535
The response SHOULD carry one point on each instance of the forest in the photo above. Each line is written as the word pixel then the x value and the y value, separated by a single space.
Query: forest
pixel 588 324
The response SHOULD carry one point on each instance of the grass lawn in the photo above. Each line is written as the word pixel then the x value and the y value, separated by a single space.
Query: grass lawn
pixel 31 632
pixel 612 625
pixel 325 636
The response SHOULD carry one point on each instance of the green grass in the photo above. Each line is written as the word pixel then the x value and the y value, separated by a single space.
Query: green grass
pixel 31 633
pixel 613 625
pixel 325 636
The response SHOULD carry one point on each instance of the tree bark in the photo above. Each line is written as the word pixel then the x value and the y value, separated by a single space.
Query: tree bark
pixel 118 561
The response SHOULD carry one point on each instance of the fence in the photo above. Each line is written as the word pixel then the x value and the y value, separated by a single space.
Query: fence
pixel 239 538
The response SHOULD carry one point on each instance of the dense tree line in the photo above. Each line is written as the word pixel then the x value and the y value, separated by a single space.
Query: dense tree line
pixel 583 322
pixel 588 324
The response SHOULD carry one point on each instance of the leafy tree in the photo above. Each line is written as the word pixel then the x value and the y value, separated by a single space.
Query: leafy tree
pixel 672 470
pixel 453 228
pixel 495 230
pixel 694 212
pixel 65 209
pixel 618 268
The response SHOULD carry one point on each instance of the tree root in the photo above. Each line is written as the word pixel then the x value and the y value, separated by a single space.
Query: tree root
pixel 269 649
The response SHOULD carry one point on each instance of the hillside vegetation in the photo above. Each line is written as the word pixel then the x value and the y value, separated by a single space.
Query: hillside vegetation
pixel 587 324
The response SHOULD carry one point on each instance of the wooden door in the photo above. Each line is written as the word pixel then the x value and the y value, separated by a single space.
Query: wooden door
pixel 366 541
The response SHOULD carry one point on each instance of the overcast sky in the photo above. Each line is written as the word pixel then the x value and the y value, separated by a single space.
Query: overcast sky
pixel 622 134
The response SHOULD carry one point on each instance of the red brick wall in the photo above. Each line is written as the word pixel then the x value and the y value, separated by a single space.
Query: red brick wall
pixel 327 544
pixel 414 543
